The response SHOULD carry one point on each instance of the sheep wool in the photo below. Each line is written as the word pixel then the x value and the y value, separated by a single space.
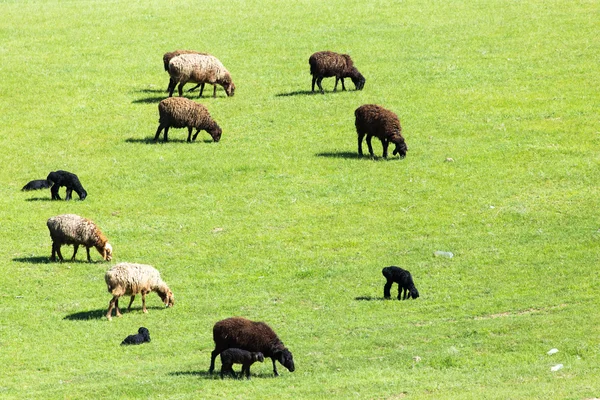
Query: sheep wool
pixel 373 120
pixel 179 112
pixel 131 279
pixel 199 68
pixel 71 229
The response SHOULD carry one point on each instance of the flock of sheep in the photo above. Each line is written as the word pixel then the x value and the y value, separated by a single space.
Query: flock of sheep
pixel 237 340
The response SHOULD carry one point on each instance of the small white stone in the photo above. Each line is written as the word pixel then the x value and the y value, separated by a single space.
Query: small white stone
pixel 552 351
pixel 556 367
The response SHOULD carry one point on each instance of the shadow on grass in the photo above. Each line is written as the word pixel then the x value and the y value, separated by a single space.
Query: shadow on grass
pixel 151 100
pixel 341 154
pixel 39 199
pixel 150 140
pixel 297 93
pixel 33 260
pixel 216 375
pixel 369 298
pixel 86 315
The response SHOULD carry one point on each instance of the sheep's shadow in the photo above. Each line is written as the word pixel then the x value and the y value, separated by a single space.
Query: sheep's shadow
pixel 341 154
pixel 86 315
pixel 33 260
pixel 39 199
pixel 150 140
pixel 369 298
pixel 297 93
pixel 150 100
pixel 216 375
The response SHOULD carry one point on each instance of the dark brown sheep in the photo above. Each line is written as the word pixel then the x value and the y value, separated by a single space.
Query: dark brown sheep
pixel 373 120
pixel 179 112
pixel 325 64
pixel 238 332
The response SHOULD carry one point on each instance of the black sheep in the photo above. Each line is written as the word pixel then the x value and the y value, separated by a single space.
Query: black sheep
pixel 70 181
pixel 142 336
pixel 239 356
pixel 373 120
pixel 37 184
pixel 404 280
pixel 238 332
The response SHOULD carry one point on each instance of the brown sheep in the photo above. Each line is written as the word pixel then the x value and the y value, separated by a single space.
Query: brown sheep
pixel 325 64
pixel 76 230
pixel 199 68
pixel 172 54
pixel 179 112
pixel 373 120
pixel 131 279
pixel 238 332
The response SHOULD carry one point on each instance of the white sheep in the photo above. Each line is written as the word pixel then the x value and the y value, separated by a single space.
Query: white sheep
pixel 131 279
pixel 72 229
pixel 199 68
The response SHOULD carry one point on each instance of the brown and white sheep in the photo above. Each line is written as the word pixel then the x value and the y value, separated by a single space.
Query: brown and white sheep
pixel 199 68
pixel 325 64
pixel 72 229
pixel 373 120
pixel 238 332
pixel 131 279
pixel 172 54
pixel 179 112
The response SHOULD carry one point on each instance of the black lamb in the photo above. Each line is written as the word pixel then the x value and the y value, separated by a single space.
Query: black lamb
pixel 239 356
pixel 69 180
pixel 238 332
pixel 37 184
pixel 142 336
pixel 404 280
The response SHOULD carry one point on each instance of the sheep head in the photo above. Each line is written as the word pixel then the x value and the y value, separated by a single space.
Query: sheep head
pixel 106 251
pixel 357 79
pixel 215 132
pixel 401 147
pixel 166 296
pixel 414 293
pixel 229 89
pixel 285 358
pixel 258 357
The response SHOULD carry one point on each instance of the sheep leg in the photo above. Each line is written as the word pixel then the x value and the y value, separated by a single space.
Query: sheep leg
pixel 194 88
pixel 385 144
pixel 160 128
pixel 386 289
pixel 87 249
pixel 196 135
pixel 343 87
pixel 180 89
pixel 246 367
pixel 130 302
pixel 201 89
pixel 190 129
pixel 360 140
pixel 69 192
pixel 166 135
pixel 400 289
pixel 336 82
pixel 314 79
pixel 214 91
pixel 56 250
pixel 369 137
pixel 319 79
pixel 114 303
pixel 144 302
pixel 75 248
pixel 54 192
pixel 274 367
pixel 171 87
pixel 213 356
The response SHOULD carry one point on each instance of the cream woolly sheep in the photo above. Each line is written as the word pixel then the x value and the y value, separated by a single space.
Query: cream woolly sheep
pixel 73 229
pixel 373 120
pixel 179 112
pixel 131 279
pixel 199 68
pixel 324 64
pixel 172 54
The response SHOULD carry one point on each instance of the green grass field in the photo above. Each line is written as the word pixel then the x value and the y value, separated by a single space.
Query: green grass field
pixel 282 222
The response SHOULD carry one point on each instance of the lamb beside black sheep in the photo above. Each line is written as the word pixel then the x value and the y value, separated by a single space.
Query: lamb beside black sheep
pixel 373 120
pixel 179 112
pixel 238 332
pixel 239 356
pixel 325 64
pixel 142 336
pixel 69 180
pixel 404 280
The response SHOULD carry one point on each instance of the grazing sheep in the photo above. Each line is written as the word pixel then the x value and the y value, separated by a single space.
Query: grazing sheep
pixel 239 356
pixel 404 280
pixel 37 184
pixel 130 279
pixel 199 68
pixel 73 229
pixel 67 179
pixel 172 54
pixel 325 64
pixel 142 336
pixel 179 112
pixel 373 120
pixel 238 332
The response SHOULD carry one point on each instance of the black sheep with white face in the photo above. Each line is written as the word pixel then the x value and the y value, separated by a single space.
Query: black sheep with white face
pixel 142 336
